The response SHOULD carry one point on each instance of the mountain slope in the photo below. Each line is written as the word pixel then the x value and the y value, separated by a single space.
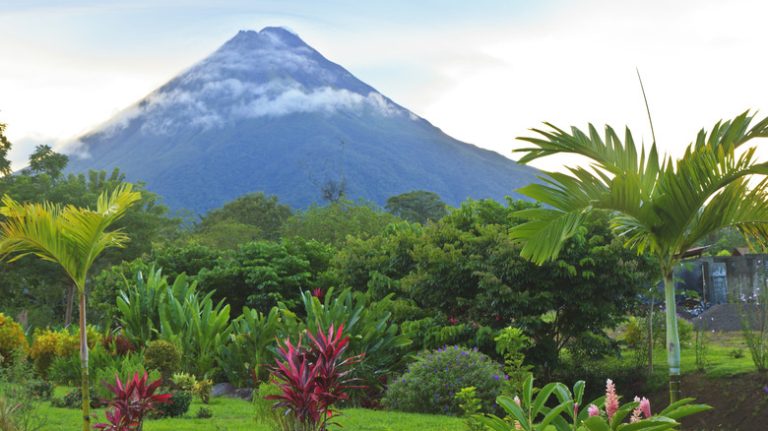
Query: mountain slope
pixel 266 112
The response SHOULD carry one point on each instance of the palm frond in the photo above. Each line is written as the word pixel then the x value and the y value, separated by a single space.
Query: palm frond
pixel 72 237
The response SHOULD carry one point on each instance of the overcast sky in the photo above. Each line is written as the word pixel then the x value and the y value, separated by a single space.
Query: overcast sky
pixel 483 71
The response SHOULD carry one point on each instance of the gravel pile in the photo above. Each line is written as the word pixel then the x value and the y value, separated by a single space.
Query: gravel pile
pixel 723 317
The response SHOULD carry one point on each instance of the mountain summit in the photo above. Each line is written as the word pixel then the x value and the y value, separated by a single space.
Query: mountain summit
pixel 267 112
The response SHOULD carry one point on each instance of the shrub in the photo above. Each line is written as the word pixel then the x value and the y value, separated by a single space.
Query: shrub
pixel 184 381
pixel 132 400
pixel 118 344
pixel 177 406
pixel 124 368
pixel 162 356
pixel 74 400
pixel 49 345
pixel 39 389
pixel 65 371
pixel 202 389
pixel 432 382
pixel 12 339
pixel 313 378
pixel 204 413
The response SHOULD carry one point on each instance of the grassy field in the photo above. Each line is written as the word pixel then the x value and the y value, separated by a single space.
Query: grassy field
pixel 237 415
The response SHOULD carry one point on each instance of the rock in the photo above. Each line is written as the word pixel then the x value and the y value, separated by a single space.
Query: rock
pixel 243 393
pixel 223 389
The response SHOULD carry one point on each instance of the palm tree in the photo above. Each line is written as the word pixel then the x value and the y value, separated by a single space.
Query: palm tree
pixel 71 237
pixel 662 207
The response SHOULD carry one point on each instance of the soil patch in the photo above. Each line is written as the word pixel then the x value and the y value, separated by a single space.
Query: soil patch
pixel 724 317
pixel 740 402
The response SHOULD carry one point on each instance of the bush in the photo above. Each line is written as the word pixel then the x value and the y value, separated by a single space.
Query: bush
pixel 12 339
pixel 125 368
pixel 74 400
pixel 204 413
pixel 39 389
pixel 431 383
pixel 162 356
pixel 49 345
pixel 177 406
pixel 65 371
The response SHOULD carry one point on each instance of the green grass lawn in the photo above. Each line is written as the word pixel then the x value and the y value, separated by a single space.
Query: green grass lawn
pixel 235 415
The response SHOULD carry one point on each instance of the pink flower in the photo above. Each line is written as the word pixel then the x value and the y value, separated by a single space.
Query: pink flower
pixel 611 399
pixel 645 407
pixel 593 410
pixel 517 401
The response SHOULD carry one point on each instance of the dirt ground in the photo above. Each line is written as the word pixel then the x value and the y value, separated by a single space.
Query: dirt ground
pixel 740 402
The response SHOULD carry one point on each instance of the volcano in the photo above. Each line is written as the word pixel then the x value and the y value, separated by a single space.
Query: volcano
pixel 267 112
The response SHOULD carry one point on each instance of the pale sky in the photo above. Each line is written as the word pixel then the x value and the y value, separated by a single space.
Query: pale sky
pixel 483 71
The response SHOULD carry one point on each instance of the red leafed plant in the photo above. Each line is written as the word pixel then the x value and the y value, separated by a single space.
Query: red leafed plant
pixel 313 378
pixel 132 401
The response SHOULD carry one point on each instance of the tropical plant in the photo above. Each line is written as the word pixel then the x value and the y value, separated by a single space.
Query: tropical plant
pixel 251 346
pixel 132 401
pixel 658 205
pixel 193 322
pixel 754 328
pixel 366 322
pixel 162 356
pixel 313 378
pixel 138 304
pixel 538 413
pixel 71 237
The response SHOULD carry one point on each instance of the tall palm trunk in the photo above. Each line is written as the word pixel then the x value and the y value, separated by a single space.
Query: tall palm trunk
pixel 84 385
pixel 673 340
pixel 70 300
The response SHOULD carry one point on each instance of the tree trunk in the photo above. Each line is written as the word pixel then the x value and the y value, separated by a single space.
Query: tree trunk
pixel 85 387
pixel 70 299
pixel 650 336
pixel 673 340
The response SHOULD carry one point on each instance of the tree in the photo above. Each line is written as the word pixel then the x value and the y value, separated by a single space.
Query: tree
pixel 418 206
pixel 5 147
pixel 71 237
pixel 247 218
pixel 45 160
pixel 334 222
pixel 659 206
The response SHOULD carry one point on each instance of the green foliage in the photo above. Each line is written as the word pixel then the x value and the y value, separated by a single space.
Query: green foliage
pixel 193 322
pixel 177 406
pixel 368 325
pixel 203 390
pixel 162 356
pixel 44 160
pixel 418 206
pixel 431 383
pixel 139 303
pixel 250 347
pixel 470 406
pixel 511 340
pixel 333 223
pixel 5 147
pixel 262 274
pixel 659 205
pixel 248 218
pixel 65 371
pixel 123 368
pixel 189 259
pixel 12 339
pixel 176 313
pixel 536 410
pixel 755 315
pixel 184 381
pixel 204 413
